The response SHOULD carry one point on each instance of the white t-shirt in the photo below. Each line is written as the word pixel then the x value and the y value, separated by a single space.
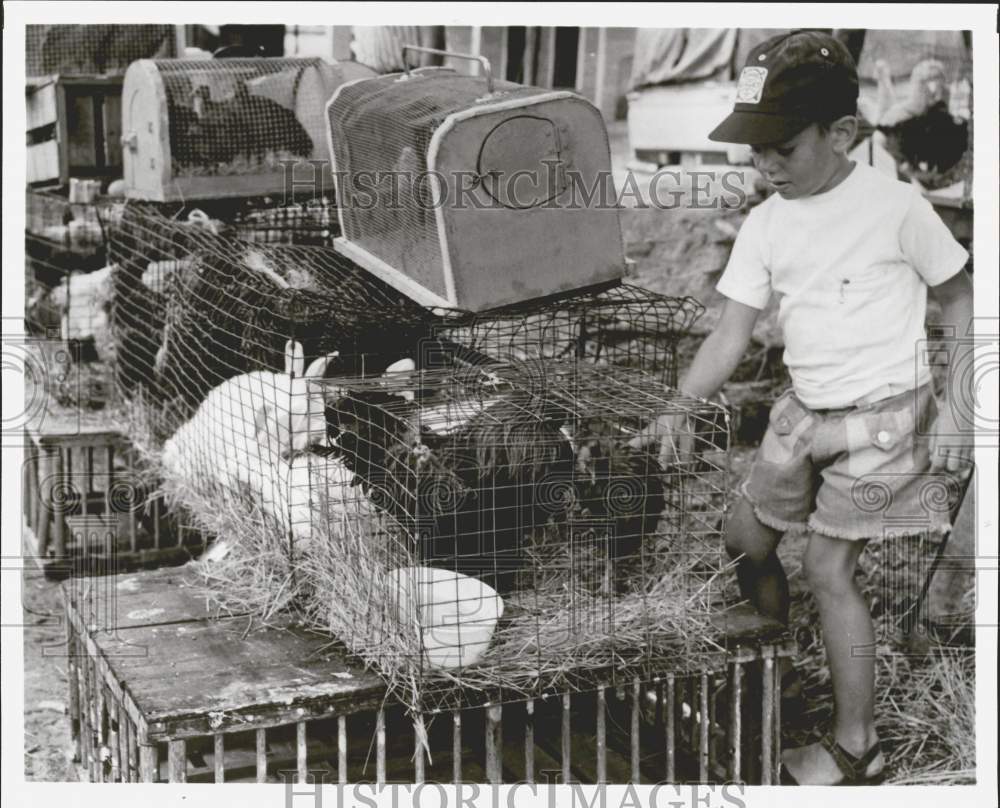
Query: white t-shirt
pixel 851 268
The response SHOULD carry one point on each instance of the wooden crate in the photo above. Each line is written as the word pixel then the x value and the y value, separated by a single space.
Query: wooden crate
pixel 84 510
pixel 74 128
pixel 159 691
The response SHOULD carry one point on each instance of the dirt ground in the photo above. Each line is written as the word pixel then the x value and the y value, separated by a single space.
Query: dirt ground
pixel 47 747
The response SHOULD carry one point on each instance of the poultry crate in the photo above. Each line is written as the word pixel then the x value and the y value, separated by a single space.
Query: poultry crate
pixel 458 190
pixel 161 690
pixel 74 128
pixel 212 129
pixel 86 508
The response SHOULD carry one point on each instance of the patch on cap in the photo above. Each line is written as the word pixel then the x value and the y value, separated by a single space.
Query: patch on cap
pixel 751 85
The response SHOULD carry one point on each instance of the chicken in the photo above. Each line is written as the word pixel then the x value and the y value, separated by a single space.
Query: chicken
pixel 920 131
pixel 621 487
pixel 469 489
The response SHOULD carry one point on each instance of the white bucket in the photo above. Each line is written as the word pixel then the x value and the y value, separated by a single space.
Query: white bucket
pixel 454 613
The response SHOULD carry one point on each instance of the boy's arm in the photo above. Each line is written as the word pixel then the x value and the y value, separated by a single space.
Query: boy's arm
pixel 712 366
pixel 721 351
pixel 951 442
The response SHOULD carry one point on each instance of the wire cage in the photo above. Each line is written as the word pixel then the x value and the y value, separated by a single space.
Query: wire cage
pixel 488 525
pixel 626 326
pixel 75 225
pixel 257 377
pixel 88 508
pixel 93 49
pixel 197 129
pixel 455 189
pixel 197 300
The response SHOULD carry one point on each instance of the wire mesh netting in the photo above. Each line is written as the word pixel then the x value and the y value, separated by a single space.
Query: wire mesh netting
pixel 625 326
pixel 319 423
pixel 196 301
pixel 80 226
pixel 93 49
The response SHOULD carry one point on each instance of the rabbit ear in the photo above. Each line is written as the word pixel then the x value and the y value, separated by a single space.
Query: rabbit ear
pixel 317 368
pixel 295 359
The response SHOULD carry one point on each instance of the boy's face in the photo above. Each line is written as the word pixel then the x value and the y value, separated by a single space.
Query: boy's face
pixel 809 163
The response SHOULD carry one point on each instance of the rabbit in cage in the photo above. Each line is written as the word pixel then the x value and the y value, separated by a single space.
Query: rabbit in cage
pixel 312 487
pixel 239 416
pixel 244 125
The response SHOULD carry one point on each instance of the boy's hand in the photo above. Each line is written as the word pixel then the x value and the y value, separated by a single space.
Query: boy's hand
pixel 950 445
pixel 673 434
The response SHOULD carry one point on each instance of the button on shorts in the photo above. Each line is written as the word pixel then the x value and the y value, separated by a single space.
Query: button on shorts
pixel 855 473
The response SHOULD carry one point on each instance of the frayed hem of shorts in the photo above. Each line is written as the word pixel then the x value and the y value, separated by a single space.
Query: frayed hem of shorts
pixel 771 521
pixel 904 531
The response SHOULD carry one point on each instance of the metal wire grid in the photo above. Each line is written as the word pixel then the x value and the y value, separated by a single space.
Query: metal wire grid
pixel 189 312
pixel 625 326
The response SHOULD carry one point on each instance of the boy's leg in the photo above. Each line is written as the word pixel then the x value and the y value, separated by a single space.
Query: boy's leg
pixel 761 577
pixel 829 565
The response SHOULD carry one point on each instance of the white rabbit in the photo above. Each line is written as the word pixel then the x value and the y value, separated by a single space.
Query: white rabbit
pixel 225 439
pixel 312 488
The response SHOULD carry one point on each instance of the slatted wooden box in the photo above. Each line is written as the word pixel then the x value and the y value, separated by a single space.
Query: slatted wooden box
pixel 159 691
pixel 85 510
pixel 74 128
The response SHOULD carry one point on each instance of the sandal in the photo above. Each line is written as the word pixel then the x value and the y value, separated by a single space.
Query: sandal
pixel 853 768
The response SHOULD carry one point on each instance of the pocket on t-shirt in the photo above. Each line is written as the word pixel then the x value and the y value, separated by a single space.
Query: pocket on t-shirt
pixel 871 277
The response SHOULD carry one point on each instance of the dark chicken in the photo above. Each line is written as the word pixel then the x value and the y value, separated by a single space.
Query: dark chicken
pixel 930 143
pixel 472 492
pixel 621 491
pixel 920 131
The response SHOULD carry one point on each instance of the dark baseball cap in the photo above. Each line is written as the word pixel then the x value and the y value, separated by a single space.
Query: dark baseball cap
pixel 790 81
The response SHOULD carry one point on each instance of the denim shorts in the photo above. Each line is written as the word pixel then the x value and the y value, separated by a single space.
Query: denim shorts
pixel 860 472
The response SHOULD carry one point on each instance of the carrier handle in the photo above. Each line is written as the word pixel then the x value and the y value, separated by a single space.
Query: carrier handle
pixel 481 59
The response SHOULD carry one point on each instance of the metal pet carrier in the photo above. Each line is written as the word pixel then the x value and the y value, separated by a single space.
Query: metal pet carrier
pixel 471 193
pixel 195 129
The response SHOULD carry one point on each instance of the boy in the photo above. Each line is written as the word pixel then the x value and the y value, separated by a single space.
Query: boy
pixel 851 254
